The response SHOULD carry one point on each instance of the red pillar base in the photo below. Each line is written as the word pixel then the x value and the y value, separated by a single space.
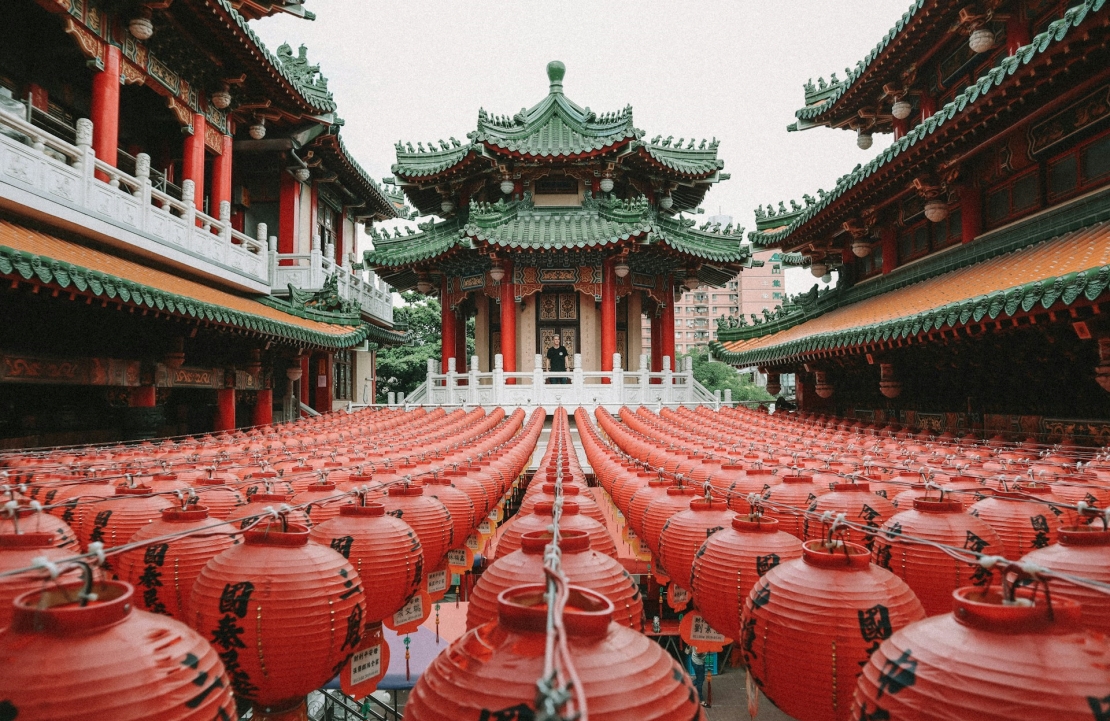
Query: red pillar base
pixel 263 408
pixel 225 410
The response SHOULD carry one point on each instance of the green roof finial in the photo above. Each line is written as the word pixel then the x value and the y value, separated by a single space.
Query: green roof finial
pixel 555 72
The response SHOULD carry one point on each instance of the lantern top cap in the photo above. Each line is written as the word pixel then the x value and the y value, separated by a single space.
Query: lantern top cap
pixel 185 515
pixel 851 556
pixel 524 608
pixel 985 609
pixel 57 610
pixel 929 505
pixel 369 510
pixel 570 541
pixel 272 533
pixel 26 540
pixel 754 524
pixel 547 508
pixel 1084 536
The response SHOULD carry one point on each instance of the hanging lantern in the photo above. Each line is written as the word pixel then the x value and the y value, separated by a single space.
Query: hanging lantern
pixel 587 506
pixel 641 499
pixel 322 502
pixel 507 185
pixel 1023 524
pixel 729 564
pixel 936 210
pixel 106 660
pixel 861 248
pixel 1082 551
pixel 665 203
pixel 258 129
pixel 888 385
pixel 115 520
pixel 163 573
pixel 428 517
pixel 606 184
pixel 818 269
pixel 981 40
pixel 424 284
pixel 541 517
pixel 266 504
pixel 901 109
pixel 691 281
pixel 253 596
pixel 1102 370
pixel 795 492
pixel 581 565
pixel 822 387
pixel 774 384
pixel 220 499
pixel 930 572
pixel 464 517
pixel 491 672
pixel 222 97
pixel 141 27
pixel 863 139
pixel 302 174
pixel 621 268
pixel 661 510
pixel 497 273
pixel 447 205
pixel 989 660
pixel 684 534
pixel 384 550
pixel 807 656
pixel 19 550
pixel 858 504
pixel 24 519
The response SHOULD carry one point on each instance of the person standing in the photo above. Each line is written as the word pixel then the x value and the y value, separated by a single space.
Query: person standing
pixel 557 359
pixel 697 660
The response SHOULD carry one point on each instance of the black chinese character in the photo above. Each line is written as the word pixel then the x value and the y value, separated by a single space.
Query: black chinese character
pixel 520 712
pixel 99 523
pixel 975 543
pixel 897 674
pixel 874 623
pixel 151 578
pixel 235 598
pixel 1039 523
pixel 762 596
pixel 343 545
pixel 156 554
pixel 763 564
pixel 879 714
pixel 882 556
pixel 1100 707
pixel 354 628
pixel 227 634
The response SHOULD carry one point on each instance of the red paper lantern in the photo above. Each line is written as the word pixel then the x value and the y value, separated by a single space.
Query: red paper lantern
pixel 28 520
pixel 115 520
pixel 262 504
pixel 1082 551
pixel 787 502
pixel 219 498
pixel 106 660
pixel 685 532
pixel 1022 524
pixel 809 624
pixel 163 573
pixel 587 506
pixel 491 672
pixel 320 501
pixel 641 499
pixel 989 662
pixel 858 504
pixel 581 565
pixel 660 511
pixel 464 516
pixel 20 551
pixel 283 613
pixel 930 572
pixel 428 517
pixel 731 561
pixel 542 517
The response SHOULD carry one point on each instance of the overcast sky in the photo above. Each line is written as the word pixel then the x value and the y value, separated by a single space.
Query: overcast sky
pixel 734 70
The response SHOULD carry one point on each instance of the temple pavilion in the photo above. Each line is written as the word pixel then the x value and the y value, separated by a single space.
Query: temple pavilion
pixel 558 220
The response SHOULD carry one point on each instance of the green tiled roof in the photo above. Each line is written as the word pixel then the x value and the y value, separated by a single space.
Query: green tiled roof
pixel 690 160
pixel 972 94
pixel 520 226
pixel 421 163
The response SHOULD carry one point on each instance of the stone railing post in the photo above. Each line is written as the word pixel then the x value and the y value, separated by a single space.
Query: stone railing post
pixel 728 397
pixel 142 172
pixel 472 381
pixel 498 378
pixel 316 264
pixel 578 378
pixel 537 380
pixel 225 221
pixel 618 378
pixel 188 198
pixel 668 379
pixel 717 395
pixel 391 398
pixel 400 399
pixel 689 381
pixel 451 380
pixel 644 379
pixel 87 162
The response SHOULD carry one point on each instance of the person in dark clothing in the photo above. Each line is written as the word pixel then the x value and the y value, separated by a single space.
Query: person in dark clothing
pixel 557 359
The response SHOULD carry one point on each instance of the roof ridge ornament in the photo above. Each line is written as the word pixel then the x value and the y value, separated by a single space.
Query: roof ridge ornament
pixel 555 72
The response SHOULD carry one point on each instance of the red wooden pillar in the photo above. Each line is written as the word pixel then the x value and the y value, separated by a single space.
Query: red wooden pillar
pixel 307 381
pixel 928 107
pixel 105 109
pixel 656 343
pixel 447 323
pixel 971 213
pixel 221 177
pixel 225 410
pixel 508 320
pixel 193 160
pixel 608 315
pixel 890 249
pixel 289 217
pixel 667 323
pixel 1017 32
pixel 900 127
pixel 322 380
pixel 263 408
pixel 340 239
pixel 143 397
pixel 460 341
pixel 373 376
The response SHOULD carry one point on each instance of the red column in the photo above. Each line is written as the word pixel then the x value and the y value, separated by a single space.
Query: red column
pixel 900 127
pixel 321 368
pixel 193 160
pixel 221 177
pixel 105 109
pixel 928 107
pixel 1017 32
pixel 143 397
pixel 971 213
pixel 225 410
pixel 460 341
pixel 608 315
pixel 890 249
pixel 373 376
pixel 656 343
pixel 667 324
pixel 508 320
pixel 289 205
pixel 263 408
pixel 447 323
pixel 340 239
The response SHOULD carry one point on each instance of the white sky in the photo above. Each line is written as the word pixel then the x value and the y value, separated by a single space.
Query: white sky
pixel 419 71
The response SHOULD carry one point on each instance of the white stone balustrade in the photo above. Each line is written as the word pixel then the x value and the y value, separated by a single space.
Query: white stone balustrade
pixel 308 271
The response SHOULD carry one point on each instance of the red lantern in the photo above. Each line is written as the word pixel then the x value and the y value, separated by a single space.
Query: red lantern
pixel 262 504
pixel 219 498
pixel 989 661
pixel 809 624
pixel 1022 524
pixel 24 519
pixel 858 504
pixel 20 551
pixel 322 501
pixel 384 550
pixel 731 561
pixel 587 506
pixel 930 572
pixel 283 613
pixel 1082 551
pixel 163 573
pixel 685 532
pixel 581 565
pixel 464 516
pixel 660 511
pixel 428 517
pixel 491 672
pixel 641 499
pixel 115 520
pixel 106 660
pixel 542 517
pixel 787 502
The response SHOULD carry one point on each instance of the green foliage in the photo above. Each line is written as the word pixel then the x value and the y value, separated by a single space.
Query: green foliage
pixel 715 375
pixel 402 368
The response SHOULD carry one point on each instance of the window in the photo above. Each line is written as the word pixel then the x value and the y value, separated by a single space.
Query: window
pixel 1096 159
pixel 776 269
pixel 872 264
pixel 341 376
pixel 777 296
pixel 1079 169
pixel 776 283
pixel 913 242
pixel 1017 197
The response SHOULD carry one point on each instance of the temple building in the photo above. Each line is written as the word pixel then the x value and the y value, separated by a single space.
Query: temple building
pixel 558 220
pixel 973 254
pixel 178 215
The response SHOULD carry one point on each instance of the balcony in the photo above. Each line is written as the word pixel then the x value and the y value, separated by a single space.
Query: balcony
pixel 309 271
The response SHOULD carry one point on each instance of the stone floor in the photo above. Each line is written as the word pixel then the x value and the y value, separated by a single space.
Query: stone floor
pixel 730 701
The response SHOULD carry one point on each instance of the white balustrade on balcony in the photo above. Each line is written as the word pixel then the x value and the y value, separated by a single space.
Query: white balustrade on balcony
pixel 309 271
pixel 50 176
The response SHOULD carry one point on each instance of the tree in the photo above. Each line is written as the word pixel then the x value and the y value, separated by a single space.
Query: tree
pixel 402 368
pixel 715 375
